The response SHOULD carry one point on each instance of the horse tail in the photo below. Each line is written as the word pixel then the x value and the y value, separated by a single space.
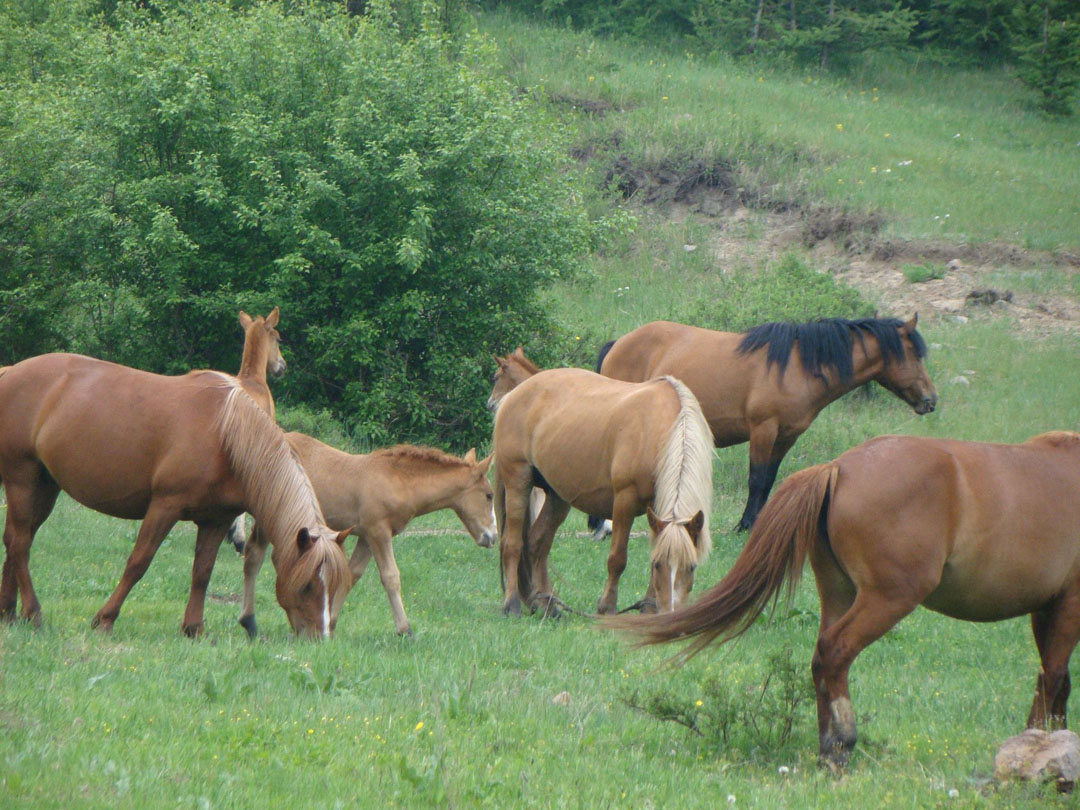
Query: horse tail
pixel 792 519
pixel 603 353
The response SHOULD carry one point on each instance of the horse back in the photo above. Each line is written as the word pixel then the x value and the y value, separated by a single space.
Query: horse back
pixel 108 434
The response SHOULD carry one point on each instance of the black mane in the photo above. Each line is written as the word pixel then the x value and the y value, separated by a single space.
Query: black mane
pixel 827 343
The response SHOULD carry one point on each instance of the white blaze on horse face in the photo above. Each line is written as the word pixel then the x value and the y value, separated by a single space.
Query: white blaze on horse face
pixel 325 606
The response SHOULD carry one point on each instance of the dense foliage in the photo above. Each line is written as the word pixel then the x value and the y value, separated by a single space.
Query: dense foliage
pixel 163 168
pixel 1042 38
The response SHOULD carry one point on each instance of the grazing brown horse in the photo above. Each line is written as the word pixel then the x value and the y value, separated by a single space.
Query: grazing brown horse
pixel 608 448
pixel 750 390
pixel 378 494
pixel 136 445
pixel 981 532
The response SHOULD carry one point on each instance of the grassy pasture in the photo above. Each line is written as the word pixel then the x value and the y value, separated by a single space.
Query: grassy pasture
pixel 461 715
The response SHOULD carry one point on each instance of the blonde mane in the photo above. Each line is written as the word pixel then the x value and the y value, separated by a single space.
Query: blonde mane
pixel 278 492
pixel 683 482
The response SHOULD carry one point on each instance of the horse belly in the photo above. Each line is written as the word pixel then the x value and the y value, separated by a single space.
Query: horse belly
pixel 1021 579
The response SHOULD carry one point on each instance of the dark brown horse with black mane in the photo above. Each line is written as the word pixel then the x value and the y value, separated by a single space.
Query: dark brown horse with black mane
pixel 981 532
pixel 766 385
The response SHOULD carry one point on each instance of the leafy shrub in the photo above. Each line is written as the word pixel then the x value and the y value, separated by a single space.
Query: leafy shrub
pixel 762 718
pixel 401 204
pixel 789 290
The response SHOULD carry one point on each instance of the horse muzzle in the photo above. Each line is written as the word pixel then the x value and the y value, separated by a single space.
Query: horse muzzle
pixel 925 405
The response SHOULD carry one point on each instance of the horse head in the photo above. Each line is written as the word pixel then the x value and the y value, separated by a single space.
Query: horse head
pixel 264 330
pixel 676 550
pixel 513 369
pixel 312 586
pixel 905 375
pixel 475 504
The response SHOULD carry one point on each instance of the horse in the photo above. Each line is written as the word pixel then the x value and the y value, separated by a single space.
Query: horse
pixel 608 448
pixel 750 391
pixel 137 445
pixel 261 357
pixel 981 532
pixel 378 494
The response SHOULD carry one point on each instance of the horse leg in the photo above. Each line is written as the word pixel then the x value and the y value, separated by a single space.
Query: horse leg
pixel 622 518
pixel 1057 629
pixel 870 616
pixel 381 542
pixel 541 536
pixel 512 545
pixel 254 554
pixel 360 558
pixel 762 439
pixel 207 542
pixel 28 506
pixel 158 522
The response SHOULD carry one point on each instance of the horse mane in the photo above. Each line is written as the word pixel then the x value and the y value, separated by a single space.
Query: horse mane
pixel 278 492
pixel 412 452
pixel 524 362
pixel 683 482
pixel 828 342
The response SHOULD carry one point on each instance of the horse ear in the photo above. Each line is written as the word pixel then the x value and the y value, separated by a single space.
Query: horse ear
pixel 272 318
pixel 519 352
pixel 696 524
pixel 909 327
pixel 471 455
pixel 655 523
pixel 500 361
pixel 245 320
pixel 485 464
pixel 339 538
pixel 303 540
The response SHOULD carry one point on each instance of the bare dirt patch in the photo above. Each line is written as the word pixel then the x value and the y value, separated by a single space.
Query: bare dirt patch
pixel 745 225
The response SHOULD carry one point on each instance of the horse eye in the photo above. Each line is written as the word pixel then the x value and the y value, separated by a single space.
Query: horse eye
pixel 656 566
pixel 490 496
pixel 693 568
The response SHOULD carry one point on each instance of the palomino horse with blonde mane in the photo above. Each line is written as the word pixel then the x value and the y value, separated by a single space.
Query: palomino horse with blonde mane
pixel 378 494
pixel 608 448
pixel 750 391
pixel 137 445
pixel 981 532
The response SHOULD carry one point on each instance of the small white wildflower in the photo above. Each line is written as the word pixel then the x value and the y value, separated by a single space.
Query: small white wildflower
pixel 904 163
pixel 784 770
pixel 689 248
pixel 731 798
pixel 954 793
pixel 957 135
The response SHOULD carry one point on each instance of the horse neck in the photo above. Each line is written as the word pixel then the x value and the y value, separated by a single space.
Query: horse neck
pixel 424 486
pixel 256 352
pixel 276 489
pixel 867 362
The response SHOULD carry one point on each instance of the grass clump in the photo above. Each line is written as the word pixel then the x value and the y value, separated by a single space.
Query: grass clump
pixel 920 273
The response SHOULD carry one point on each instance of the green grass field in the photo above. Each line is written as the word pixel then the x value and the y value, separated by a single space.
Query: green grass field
pixel 462 714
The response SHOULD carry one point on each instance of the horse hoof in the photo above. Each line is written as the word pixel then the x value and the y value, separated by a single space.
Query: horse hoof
pixel 35 619
pixel 407 632
pixel 547 607
pixel 193 630
pixel 99 622
pixel 248 623
pixel 742 526
pixel 512 606
pixel 605 607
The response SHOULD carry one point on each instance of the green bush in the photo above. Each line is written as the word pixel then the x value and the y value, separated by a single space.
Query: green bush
pixel 401 203
pixel 789 290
